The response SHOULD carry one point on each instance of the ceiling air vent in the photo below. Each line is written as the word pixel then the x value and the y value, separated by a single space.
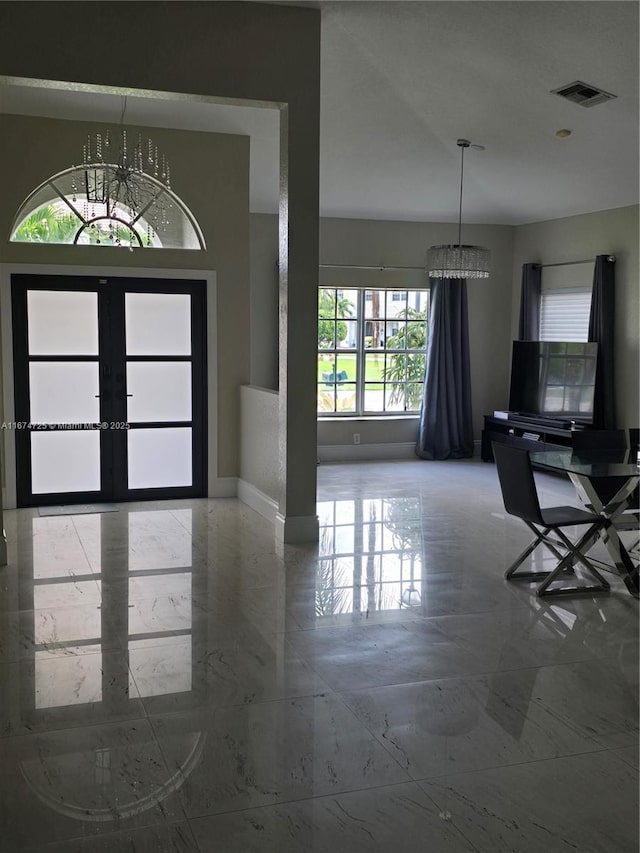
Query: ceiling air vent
pixel 583 94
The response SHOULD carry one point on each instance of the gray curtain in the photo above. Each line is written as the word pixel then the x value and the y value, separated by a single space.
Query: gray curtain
pixel 445 428
pixel 529 321
pixel 601 330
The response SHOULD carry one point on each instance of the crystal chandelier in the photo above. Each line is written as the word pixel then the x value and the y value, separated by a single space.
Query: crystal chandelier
pixel 125 189
pixel 459 260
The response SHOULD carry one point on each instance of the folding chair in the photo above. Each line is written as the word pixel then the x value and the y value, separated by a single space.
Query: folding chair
pixel 520 498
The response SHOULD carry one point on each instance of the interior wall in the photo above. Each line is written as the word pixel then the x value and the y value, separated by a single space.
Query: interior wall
pixel 493 304
pixel 383 243
pixel 210 172
pixel 264 300
pixel 259 455
pixel 251 53
pixel 610 232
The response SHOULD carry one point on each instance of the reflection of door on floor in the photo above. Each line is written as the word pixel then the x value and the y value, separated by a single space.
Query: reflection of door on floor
pixel 110 396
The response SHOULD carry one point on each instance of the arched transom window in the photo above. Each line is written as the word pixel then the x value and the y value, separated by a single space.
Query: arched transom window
pixel 77 206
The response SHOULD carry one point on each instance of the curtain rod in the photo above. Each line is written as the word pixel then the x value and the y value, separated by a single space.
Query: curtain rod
pixel 574 263
pixel 379 267
pixel 383 267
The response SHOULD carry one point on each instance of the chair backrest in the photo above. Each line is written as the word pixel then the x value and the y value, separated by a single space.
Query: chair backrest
pixel 634 441
pixel 599 439
pixel 517 484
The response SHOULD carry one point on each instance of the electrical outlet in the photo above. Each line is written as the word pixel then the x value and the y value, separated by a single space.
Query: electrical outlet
pixel 356 438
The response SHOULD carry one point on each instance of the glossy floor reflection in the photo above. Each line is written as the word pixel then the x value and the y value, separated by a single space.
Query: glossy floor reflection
pixel 170 680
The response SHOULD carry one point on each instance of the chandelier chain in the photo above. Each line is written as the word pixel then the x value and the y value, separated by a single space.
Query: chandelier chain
pixel 462 147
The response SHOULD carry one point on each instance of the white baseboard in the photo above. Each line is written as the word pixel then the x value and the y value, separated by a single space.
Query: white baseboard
pixel 289 529
pixel 297 528
pixel 223 487
pixel 362 452
pixel 358 452
pixel 264 505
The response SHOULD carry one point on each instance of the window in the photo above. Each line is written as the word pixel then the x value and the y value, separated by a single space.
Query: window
pixel 371 350
pixel 564 314
pixel 565 302
pixel 58 211
pixel 567 377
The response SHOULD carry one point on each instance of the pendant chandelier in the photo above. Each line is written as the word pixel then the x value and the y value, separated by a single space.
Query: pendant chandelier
pixel 125 188
pixel 458 260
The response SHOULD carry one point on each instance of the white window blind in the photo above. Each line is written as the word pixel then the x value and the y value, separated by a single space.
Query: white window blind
pixel 564 314
pixel 565 302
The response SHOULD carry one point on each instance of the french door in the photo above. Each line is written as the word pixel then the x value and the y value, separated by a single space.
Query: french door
pixel 110 388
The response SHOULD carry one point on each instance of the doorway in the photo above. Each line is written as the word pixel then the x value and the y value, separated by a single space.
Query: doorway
pixel 110 388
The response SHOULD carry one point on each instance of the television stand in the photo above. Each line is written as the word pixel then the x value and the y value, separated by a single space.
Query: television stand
pixel 541 422
pixel 527 432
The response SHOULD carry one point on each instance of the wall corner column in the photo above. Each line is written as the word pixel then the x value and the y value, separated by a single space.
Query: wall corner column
pixel 296 520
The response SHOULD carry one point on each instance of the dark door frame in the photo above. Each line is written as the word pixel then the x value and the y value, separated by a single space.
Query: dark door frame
pixel 112 360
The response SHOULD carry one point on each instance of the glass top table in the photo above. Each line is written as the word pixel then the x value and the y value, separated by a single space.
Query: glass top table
pixel 587 470
pixel 596 463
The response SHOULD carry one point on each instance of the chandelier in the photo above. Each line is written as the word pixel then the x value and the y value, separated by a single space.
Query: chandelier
pixel 125 189
pixel 459 260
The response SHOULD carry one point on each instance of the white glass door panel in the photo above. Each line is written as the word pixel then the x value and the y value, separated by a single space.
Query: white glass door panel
pixel 65 461
pixel 62 322
pixel 160 378
pixel 158 323
pixel 159 391
pixel 64 392
pixel 159 458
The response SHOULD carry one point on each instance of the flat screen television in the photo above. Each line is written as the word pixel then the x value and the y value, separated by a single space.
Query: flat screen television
pixel 553 379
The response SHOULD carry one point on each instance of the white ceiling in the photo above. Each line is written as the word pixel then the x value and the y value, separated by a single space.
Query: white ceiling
pixel 401 81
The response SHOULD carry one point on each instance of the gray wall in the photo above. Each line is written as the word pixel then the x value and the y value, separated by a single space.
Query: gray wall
pixel 375 242
pixel 574 238
pixel 264 300
pixel 218 196
pixel 239 53
pixel 404 244
pixel 493 304
pixel 259 455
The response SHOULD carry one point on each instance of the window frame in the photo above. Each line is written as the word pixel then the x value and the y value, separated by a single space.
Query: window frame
pixel 62 191
pixel 560 284
pixel 360 351
pixel 582 297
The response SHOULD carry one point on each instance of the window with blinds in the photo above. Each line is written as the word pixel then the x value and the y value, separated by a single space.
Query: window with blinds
pixel 564 314
pixel 565 301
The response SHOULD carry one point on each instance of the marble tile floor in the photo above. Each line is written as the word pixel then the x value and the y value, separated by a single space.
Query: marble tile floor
pixel 171 680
